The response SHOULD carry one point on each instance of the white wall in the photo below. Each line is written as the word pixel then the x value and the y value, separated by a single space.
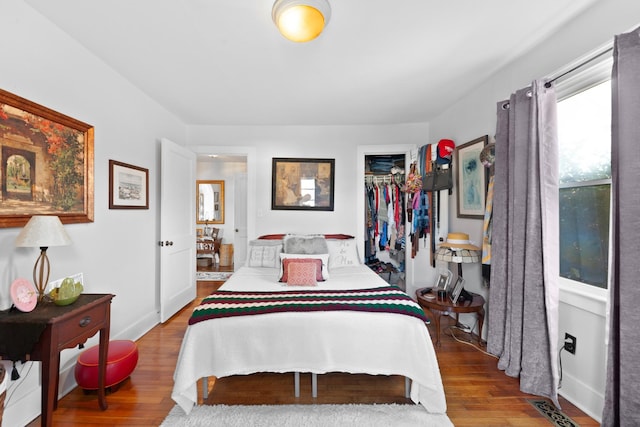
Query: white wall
pixel 345 144
pixel 337 142
pixel 475 115
pixel 117 252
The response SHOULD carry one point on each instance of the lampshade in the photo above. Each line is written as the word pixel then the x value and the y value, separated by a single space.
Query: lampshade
pixel 43 231
pixel 457 255
pixel 301 20
pixel 457 248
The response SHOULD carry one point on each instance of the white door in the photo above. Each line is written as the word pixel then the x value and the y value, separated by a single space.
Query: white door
pixel 177 238
pixel 240 221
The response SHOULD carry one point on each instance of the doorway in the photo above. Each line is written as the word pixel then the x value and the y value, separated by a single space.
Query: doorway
pixel 398 152
pixel 236 166
pixel 385 217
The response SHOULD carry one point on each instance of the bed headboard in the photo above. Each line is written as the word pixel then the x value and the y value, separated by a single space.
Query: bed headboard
pixel 326 236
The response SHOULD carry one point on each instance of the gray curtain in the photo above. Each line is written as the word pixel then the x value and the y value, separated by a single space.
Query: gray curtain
pixel 523 300
pixel 622 397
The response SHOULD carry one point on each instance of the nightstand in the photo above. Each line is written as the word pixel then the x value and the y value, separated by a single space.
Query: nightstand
pixel 435 307
pixel 47 330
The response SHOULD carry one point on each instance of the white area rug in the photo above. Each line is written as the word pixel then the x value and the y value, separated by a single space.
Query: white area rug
pixel 307 416
pixel 213 275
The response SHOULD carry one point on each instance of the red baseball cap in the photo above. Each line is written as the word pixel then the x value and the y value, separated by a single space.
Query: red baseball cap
pixel 445 148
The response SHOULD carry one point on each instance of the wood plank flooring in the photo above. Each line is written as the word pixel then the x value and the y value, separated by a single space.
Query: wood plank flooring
pixel 478 394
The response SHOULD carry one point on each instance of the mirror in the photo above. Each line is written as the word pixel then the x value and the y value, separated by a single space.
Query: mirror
pixel 209 202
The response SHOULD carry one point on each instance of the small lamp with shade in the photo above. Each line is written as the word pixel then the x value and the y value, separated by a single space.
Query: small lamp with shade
pixel 458 249
pixel 42 231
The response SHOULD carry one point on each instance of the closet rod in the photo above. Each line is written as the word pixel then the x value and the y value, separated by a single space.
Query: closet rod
pixel 580 65
pixel 383 178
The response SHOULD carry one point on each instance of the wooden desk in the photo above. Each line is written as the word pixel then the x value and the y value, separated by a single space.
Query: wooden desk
pixel 62 327
pixel 436 307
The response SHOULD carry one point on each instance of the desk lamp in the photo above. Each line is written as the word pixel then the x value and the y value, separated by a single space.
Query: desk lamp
pixel 42 231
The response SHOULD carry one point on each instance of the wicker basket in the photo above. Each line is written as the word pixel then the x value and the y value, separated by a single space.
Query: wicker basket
pixel 226 255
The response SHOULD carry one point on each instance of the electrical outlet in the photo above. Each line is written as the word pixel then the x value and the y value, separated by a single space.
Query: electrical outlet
pixel 570 343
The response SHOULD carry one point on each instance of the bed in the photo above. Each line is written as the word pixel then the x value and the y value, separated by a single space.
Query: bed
pixel 313 340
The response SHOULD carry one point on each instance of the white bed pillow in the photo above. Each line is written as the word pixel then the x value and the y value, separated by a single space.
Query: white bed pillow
pixel 305 244
pixel 264 253
pixel 323 257
pixel 343 253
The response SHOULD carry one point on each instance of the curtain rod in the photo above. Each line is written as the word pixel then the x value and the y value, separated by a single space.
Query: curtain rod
pixel 582 64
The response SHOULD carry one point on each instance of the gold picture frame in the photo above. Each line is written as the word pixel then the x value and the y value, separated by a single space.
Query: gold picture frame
pixel 209 201
pixel 46 163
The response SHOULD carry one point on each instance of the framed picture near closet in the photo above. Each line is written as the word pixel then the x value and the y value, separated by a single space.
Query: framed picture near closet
pixel 471 179
pixel 302 184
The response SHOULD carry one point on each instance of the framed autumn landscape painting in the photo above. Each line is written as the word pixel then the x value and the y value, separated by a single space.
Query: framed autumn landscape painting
pixel 46 163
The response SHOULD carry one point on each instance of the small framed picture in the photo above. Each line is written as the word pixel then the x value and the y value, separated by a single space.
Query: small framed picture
pixel 128 186
pixel 457 290
pixel 443 282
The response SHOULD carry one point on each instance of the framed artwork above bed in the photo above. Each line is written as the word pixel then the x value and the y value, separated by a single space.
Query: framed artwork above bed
pixel 302 184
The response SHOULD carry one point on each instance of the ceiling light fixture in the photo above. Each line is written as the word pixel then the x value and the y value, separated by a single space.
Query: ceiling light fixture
pixel 301 20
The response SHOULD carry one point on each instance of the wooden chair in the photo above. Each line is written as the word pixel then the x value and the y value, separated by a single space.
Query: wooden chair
pixel 206 250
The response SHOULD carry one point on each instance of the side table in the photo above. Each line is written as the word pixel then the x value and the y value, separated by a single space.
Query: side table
pixel 61 327
pixel 436 307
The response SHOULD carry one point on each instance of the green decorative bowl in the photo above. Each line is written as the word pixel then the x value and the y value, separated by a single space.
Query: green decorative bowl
pixel 66 301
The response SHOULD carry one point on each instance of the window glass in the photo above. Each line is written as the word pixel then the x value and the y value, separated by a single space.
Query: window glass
pixel 584 132
pixel 584 135
pixel 308 191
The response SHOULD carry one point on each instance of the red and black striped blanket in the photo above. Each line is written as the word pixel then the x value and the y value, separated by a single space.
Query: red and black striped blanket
pixel 377 300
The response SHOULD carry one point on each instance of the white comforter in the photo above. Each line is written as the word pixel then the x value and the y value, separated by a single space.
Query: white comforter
pixel 317 342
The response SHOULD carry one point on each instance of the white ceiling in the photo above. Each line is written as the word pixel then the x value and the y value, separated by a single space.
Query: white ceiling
pixel 222 62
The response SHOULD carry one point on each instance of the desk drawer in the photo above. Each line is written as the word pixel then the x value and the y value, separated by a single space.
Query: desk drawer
pixel 78 328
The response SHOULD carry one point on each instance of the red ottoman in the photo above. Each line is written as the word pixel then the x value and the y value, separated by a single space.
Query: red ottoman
pixel 121 361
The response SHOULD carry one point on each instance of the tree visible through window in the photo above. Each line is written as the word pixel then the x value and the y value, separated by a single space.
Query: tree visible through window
pixel 584 134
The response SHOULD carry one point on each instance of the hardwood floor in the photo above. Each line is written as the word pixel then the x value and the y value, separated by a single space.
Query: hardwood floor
pixel 478 394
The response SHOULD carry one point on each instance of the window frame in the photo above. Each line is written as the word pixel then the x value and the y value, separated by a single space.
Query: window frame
pixel 579 79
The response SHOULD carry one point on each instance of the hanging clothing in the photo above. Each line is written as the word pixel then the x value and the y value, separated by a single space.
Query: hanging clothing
pixel 421 214
pixel 385 217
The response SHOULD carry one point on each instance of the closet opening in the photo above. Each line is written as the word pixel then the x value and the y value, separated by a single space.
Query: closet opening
pixel 385 217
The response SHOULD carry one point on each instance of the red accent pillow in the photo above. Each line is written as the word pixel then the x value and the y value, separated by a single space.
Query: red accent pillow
pixel 287 262
pixel 302 274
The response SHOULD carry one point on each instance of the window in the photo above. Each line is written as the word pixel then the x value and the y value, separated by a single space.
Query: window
pixel 584 135
pixel 308 191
